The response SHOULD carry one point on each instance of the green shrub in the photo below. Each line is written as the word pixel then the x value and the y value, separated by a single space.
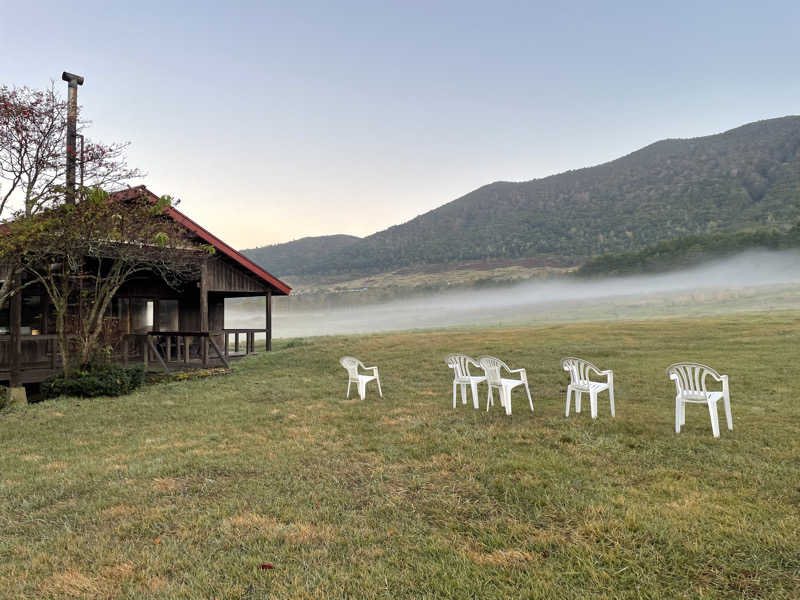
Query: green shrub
pixel 97 380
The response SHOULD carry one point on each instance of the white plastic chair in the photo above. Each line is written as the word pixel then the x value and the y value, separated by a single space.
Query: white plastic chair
pixel 690 381
pixel 580 382
pixel 352 364
pixel 461 376
pixel 493 367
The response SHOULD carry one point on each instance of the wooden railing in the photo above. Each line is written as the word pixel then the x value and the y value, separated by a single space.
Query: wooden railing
pixel 159 345
pixel 41 352
pixel 38 351
pixel 249 339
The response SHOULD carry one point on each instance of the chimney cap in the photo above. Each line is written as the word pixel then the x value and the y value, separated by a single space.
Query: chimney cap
pixel 72 79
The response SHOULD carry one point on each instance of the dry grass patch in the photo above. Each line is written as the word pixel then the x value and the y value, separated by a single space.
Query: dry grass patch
pixel 504 559
pixel 169 484
pixel 56 465
pixel 73 584
pixel 118 511
pixel 294 533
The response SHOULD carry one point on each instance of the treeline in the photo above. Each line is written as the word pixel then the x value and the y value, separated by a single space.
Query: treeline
pixel 687 251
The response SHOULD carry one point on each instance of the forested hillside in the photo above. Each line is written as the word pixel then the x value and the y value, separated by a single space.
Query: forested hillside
pixel 688 251
pixel 286 259
pixel 745 179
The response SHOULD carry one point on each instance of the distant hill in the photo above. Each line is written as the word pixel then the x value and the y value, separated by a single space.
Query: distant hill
pixel 745 179
pixel 289 258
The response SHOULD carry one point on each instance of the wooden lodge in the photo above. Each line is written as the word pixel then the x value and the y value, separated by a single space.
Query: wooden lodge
pixel 159 326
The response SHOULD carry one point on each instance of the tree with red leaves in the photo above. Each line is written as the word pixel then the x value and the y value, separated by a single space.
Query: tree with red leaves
pixel 33 128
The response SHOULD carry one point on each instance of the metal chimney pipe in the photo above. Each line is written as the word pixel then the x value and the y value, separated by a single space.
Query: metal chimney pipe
pixel 73 82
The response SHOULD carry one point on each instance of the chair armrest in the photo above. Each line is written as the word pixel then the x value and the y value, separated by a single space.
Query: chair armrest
pixel 373 369
pixel 523 373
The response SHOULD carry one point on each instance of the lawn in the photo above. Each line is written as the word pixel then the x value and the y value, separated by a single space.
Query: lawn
pixel 191 489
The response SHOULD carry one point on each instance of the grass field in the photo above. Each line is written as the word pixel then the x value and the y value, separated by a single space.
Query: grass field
pixel 185 489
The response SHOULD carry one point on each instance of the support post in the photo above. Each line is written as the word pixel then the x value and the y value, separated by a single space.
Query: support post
pixel 156 315
pixel 16 389
pixel 204 311
pixel 269 320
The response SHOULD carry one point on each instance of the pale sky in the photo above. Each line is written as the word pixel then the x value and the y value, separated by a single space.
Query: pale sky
pixel 277 120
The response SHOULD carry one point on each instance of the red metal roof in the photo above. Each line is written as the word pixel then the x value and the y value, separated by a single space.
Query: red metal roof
pixel 278 286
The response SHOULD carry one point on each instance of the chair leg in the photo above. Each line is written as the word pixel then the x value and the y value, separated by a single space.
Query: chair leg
pixel 474 386
pixel 348 388
pixel 611 399
pixel 463 393
pixel 577 401
pixel 362 389
pixel 454 393
pixel 508 401
pixel 712 411
pixel 569 397
pixel 489 399
pixel 683 414
pixel 530 400
pixel 728 413
pixel 677 415
pixel 593 404
pixel 378 381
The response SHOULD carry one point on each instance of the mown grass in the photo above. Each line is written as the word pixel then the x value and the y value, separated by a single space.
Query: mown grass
pixel 185 489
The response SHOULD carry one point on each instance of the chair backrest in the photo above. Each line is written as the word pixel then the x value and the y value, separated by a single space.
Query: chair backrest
pixel 460 364
pixel 578 369
pixel 492 367
pixel 690 378
pixel 351 364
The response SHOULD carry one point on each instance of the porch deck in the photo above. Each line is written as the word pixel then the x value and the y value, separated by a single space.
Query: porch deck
pixel 166 351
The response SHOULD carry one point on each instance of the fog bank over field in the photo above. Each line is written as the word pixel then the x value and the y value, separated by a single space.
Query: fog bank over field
pixel 755 280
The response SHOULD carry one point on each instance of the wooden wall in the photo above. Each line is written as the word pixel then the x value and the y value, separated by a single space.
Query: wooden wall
pixel 225 276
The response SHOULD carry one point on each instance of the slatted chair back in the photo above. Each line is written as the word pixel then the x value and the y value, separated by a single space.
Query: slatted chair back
pixel 460 364
pixel 690 379
pixel 578 370
pixel 493 368
pixel 351 364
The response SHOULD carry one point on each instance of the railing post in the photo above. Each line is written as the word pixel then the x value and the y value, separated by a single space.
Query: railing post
pixel 226 344
pixel 186 349
pixel 204 349
pixel 236 342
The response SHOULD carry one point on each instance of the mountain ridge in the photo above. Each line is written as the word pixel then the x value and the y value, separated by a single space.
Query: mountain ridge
pixel 746 178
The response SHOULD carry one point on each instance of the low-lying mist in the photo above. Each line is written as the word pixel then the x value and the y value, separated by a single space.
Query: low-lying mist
pixel 754 280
